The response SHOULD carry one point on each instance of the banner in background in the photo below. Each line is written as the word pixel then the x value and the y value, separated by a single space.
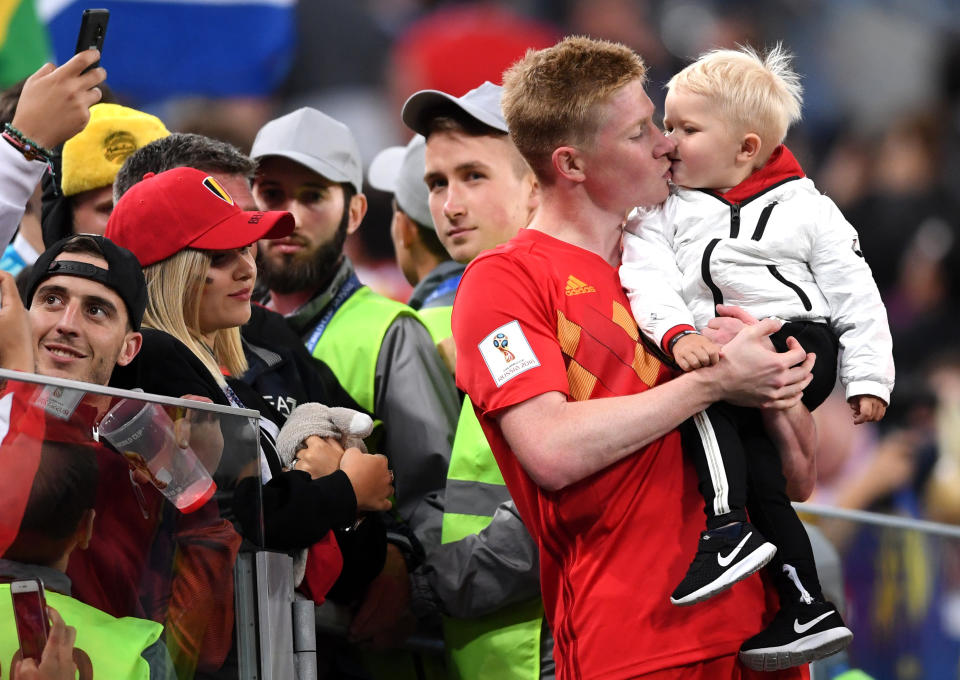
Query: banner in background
pixel 157 49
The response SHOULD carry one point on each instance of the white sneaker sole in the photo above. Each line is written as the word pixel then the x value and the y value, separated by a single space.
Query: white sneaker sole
pixel 798 652
pixel 739 571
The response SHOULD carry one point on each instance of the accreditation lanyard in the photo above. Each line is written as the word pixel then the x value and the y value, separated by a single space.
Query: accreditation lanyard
pixel 349 287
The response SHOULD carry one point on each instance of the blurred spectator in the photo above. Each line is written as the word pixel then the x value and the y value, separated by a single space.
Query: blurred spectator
pixel 458 47
pixel 909 227
pixel 899 581
pixel 420 255
pixel 89 161
pixel 904 195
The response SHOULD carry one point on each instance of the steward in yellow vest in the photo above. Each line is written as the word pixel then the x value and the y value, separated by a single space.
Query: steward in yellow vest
pixel 57 518
pixel 378 349
pixel 106 647
pixel 484 578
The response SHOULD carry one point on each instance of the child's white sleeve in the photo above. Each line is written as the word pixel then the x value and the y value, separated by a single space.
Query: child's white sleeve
pixel 857 313
pixel 650 275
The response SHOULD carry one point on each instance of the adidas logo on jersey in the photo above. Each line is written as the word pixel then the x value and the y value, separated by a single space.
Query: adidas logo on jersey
pixel 577 287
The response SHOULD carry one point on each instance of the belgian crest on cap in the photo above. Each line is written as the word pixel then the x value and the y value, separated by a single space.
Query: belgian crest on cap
pixel 217 190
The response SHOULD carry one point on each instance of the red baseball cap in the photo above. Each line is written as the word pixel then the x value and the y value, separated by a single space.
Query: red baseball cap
pixel 187 208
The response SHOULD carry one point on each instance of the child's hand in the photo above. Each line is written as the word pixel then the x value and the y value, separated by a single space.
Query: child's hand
pixel 695 351
pixel 866 408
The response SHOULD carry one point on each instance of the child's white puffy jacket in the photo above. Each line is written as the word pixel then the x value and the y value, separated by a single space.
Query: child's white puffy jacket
pixel 786 252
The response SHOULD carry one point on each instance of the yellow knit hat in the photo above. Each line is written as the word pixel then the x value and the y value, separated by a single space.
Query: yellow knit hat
pixel 92 158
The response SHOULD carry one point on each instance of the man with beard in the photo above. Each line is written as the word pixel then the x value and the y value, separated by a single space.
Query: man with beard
pixel 379 349
pixel 280 370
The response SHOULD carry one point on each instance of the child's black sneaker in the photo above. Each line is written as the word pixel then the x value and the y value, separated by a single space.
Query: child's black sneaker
pixel 724 556
pixel 799 633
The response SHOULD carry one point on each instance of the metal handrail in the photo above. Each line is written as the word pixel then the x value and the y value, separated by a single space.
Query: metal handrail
pixel 129 394
pixel 880 519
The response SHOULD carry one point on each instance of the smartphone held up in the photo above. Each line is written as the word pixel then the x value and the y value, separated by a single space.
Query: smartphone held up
pixel 30 614
pixel 93 29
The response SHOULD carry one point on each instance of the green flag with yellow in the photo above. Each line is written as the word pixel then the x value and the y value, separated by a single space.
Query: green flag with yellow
pixel 24 44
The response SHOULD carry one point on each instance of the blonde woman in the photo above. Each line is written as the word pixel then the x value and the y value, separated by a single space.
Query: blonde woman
pixel 197 248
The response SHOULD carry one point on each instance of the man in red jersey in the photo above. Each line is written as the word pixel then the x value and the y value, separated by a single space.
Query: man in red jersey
pixel 580 416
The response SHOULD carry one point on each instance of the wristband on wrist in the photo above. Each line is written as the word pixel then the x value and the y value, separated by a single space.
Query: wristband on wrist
pixel 29 148
pixel 31 151
pixel 673 340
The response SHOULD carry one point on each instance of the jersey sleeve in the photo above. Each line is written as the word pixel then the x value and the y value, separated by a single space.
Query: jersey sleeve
pixel 505 328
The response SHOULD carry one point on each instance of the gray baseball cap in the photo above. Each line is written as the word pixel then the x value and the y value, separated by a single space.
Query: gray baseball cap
pixel 481 103
pixel 399 170
pixel 316 141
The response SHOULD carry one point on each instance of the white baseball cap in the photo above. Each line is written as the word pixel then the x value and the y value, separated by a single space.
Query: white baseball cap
pixel 316 141
pixel 481 103
pixel 399 170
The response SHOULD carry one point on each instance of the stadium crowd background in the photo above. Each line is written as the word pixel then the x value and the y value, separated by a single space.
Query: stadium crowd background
pixel 880 135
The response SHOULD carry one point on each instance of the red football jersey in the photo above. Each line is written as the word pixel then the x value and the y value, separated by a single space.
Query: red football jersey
pixel 538 315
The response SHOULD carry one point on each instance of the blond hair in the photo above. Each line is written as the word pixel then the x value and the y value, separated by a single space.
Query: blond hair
pixel 551 96
pixel 174 288
pixel 754 93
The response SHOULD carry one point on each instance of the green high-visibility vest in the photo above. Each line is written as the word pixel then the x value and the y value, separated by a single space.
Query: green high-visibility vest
pixel 113 646
pixel 350 346
pixel 351 343
pixel 504 645
pixel 437 321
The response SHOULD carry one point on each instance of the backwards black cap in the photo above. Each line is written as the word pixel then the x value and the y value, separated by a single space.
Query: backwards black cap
pixel 123 275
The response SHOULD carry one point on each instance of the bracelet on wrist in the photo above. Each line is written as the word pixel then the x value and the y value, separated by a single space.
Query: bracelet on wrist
pixel 673 340
pixel 31 151
pixel 29 148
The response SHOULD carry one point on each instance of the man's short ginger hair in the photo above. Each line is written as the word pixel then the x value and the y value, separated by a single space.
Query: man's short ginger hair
pixel 753 92
pixel 551 96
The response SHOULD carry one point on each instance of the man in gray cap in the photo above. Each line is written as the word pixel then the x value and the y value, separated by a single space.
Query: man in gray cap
pixel 424 261
pixel 378 349
pixel 482 192
pixel 484 578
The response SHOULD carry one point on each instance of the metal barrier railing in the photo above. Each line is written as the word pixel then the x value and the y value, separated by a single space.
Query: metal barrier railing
pixel 902 574
pixel 880 519
pixel 900 583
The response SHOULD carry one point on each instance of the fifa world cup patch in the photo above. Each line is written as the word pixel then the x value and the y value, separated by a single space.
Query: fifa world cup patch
pixel 507 353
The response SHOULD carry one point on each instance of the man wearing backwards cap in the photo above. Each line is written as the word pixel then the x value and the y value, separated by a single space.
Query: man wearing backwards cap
pixel 484 576
pixel 379 350
pixel 424 261
pixel 86 297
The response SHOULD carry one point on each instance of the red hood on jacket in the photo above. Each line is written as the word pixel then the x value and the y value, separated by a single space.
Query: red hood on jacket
pixel 780 166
